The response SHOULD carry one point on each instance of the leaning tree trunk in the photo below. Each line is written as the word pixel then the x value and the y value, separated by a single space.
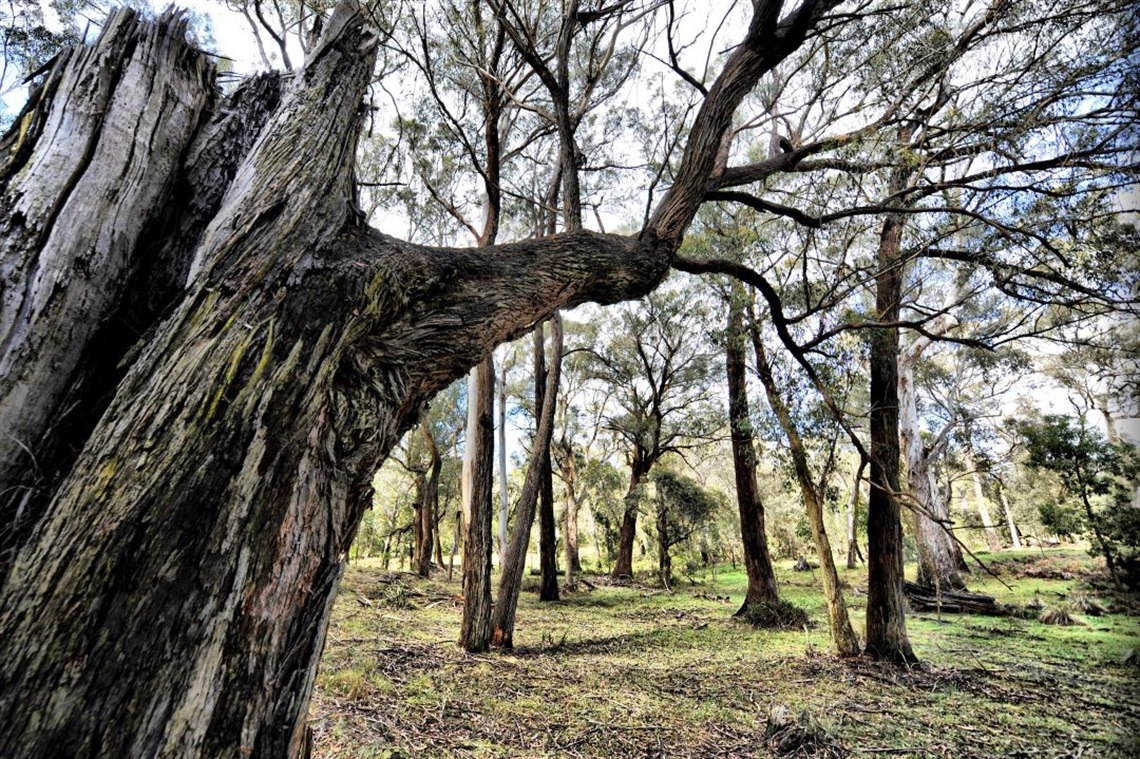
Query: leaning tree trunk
pixel 993 542
pixel 547 541
pixel 199 539
pixel 510 581
pixel 842 634
pixel 757 561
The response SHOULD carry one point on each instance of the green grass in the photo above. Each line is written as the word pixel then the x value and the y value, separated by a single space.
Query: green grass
pixel 639 672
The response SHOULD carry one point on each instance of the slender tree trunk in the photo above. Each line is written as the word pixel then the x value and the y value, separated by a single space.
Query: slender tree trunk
pixel 757 561
pixel 504 492
pixel 1014 535
pixel 842 634
pixel 886 606
pixel 570 530
pixel 430 505
pixel 853 552
pixel 547 542
pixel 510 582
pixel 993 542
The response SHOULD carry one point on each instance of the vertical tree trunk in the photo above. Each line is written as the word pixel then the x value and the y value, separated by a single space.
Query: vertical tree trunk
pixel 623 565
pixel 510 581
pixel 547 542
pixel 430 504
pixel 664 560
pixel 757 561
pixel 886 607
pixel 570 529
pixel 993 542
pixel 69 283
pixel 504 492
pixel 853 552
pixel 937 563
pixel 475 628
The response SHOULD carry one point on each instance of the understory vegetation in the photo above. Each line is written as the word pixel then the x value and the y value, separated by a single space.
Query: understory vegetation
pixel 639 671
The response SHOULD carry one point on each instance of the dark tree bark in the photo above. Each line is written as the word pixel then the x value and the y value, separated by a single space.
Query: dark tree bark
pixel 173 598
pixel 547 542
pixel 757 562
pixel 429 505
pixel 886 607
pixel 510 581
pixel 623 565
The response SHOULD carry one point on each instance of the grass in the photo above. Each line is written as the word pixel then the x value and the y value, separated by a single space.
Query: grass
pixel 639 672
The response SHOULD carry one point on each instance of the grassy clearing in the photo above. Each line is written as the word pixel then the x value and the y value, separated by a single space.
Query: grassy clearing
pixel 639 672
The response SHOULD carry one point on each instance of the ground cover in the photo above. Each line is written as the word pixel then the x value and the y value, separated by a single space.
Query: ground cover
pixel 638 672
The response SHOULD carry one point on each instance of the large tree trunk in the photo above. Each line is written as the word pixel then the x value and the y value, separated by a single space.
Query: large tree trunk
pixel 547 541
pixel 757 562
pixel 75 295
pixel 886 606
pixel 510 581
pixel 199 539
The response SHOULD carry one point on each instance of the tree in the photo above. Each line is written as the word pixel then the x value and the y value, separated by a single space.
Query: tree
pixel 683 507
pixel 658 370
pixel 1091 468
pixel 757 562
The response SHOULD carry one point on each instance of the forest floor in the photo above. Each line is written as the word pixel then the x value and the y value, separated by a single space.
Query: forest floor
pixel 638 672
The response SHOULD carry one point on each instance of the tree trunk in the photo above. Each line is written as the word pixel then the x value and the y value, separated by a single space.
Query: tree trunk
pixel 570 529
pixel 664 561
pixel 429 507
pixel 510 581
pixel 547 542
pixel 504 491
pixel 201 533
pixel 1014 535
pixel 842 634
pixel 853 552
pixel 937 563
pixel 886 607
pixel 757 562
pixel 623 565
pixel 993 542
pixel 75 293
pixel 475 627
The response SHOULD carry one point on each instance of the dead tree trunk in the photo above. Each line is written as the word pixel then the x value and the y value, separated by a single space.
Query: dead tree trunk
pixel 757 561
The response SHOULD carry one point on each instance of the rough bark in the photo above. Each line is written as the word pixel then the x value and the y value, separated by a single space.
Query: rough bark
pixel 842 634
pixel 569 471
pixel 475 627
pixel 886 607
pixel 757 561
pixel 547 541
pixel 504 492
pixel 429 506
pixel 102 138
pixel 201 533
pixel 510 581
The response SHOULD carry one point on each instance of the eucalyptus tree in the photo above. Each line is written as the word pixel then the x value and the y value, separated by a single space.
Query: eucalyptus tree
pixel 172 594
